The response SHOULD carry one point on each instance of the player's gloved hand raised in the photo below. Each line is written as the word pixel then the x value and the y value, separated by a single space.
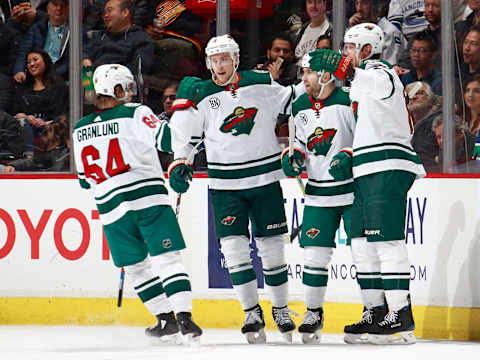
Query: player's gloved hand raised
pixel 292 166
pixel 476 152
pixel 180 173
pixel 341 165
pixel 324 59
pixel 188 88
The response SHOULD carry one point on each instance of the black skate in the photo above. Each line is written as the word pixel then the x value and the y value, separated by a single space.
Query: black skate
pixel 281 316
pixel 357 333
pixel 191 332
pixel 311 326
pixel 253 326
pixel 165 330
pixel 395 328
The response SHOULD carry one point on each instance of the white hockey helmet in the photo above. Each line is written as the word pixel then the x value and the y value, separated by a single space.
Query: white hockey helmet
pixel 107 77
pixel 305 63
pixel 365 34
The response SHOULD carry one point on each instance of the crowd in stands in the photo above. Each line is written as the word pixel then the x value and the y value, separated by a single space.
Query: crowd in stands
pixel 162 41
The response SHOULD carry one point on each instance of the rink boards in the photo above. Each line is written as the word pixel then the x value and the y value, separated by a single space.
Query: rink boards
pixel 56 267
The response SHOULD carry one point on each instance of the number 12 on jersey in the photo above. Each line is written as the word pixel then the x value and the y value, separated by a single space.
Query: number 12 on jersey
pixel 115 162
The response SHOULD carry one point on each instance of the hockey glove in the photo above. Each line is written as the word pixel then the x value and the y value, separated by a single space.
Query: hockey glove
pixel 341 165
pixel 340 66
pixel 292 166
pixel 180 173
pixel 476 151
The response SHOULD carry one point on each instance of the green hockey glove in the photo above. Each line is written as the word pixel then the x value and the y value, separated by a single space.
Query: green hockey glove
pixel 341 165
pixel 476 151
pixel 324 59
pixel 180 173
pixel 292 166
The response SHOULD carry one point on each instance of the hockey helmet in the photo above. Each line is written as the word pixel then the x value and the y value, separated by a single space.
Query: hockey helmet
pixel 365 34
pixel 222 44
pixel 107 77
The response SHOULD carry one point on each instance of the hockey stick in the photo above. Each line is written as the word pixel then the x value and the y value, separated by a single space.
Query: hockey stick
pixel 291 140
pixel 120 287
pixel 190 159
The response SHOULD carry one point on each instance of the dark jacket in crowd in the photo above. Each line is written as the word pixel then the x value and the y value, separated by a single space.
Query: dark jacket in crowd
pixel 57 159
pixel 121 48
pixel 6 92
pixel 424 141
pixel 35 38
pixel 11 139
pixel 46 104
pixel 9 42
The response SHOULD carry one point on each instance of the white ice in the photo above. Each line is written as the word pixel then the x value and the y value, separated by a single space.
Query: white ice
pixel 122 343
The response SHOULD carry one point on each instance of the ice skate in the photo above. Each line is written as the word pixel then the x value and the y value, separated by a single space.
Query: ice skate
pixel 253 326
pixel 396 328
pixel 311 326
pixel 284 322
pixel 191 332
pixel 165 330
pixel 357 333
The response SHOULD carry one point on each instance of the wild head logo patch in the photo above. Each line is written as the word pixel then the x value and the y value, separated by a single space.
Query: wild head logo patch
pixel 320 141
pixel 229 220
pixel 240 122
pixel 312 233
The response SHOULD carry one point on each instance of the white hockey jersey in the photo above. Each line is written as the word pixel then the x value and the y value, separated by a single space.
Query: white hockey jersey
pixel 322 129
pixel 384 127
pixel 408 16
pixel 238 126
pixel 116 158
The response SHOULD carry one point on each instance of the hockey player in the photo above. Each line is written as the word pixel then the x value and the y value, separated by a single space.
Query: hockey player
pixel 384 167
pixel 236 112
pixel 324 125
pixel 116 158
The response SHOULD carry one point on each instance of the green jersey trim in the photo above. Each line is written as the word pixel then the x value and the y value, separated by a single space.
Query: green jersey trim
pixel 356 150
pixel 245 162
pixel 118 188
pixel 329 190
pixel 245 172
pixel 120 198
pixel 384 154
pixel 337 97
pixel 120 111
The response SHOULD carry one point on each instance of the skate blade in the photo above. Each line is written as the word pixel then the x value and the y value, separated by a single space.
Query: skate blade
pixel 191 340
pixel 288 336
pixel 311 338
pixel 400 338
pixel 256 337
pixel 356 338
pixel 173 339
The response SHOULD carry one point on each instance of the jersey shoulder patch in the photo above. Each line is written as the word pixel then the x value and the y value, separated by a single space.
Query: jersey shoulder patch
pixel 303 102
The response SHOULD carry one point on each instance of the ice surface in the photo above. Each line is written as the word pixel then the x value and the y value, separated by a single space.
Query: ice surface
pixel 122 343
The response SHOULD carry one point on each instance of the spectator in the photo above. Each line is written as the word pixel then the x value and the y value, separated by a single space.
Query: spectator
pixel 462 27
pixel 94 9
pixel 11 139
pixel 280 61
pixel 56 157
pixel 168 97
pixel 363 13
pixel 472 104
pixel 433 14
pixel 40 98
pixel 464 141
pixel 22 12
pixel 8 49
pixel 121 43
pixel 471 54
pixel 177 51
pixel 52 35
pixel 324 42
pixel 313 29
pixel 6 92
pixel 423 68
pixel 408 16
pixel 423 107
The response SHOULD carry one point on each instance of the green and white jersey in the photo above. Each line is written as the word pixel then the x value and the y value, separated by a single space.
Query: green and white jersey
pixel 238 126
pixel 384 127
pixel 116 159
pixel 322 129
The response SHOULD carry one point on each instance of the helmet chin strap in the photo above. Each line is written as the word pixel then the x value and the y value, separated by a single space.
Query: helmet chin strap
pixel 214 77
pixel 323 85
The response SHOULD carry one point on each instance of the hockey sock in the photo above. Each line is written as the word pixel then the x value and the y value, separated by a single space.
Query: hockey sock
pixel 315 275
pixel 175 280
pixel 365 257
pixel 272 251
pixel 395 269
pixel 236 250
pixel 148 287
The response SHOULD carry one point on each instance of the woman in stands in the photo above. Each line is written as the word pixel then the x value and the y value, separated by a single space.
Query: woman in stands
pixel 39 99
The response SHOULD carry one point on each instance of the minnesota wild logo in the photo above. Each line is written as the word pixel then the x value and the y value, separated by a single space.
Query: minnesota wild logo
pixel 320 141
pixel 229 220
pixel 312 233
pixel 240 122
